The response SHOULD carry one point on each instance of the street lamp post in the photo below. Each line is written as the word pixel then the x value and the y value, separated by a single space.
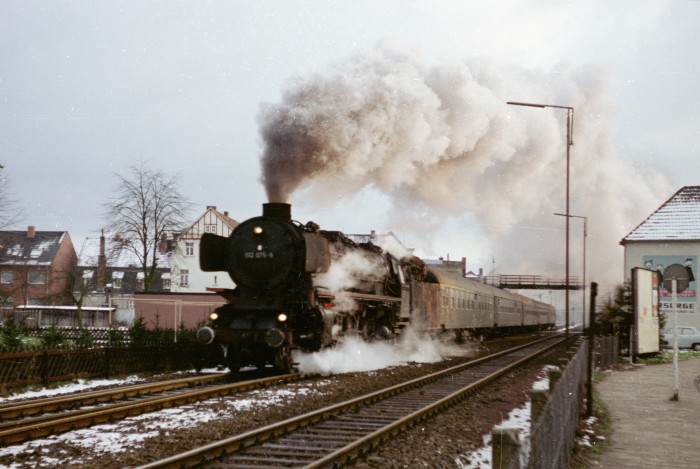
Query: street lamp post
pixel 585 235
pixel 569 143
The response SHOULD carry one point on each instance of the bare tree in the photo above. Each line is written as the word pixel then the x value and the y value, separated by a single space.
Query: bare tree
pixel 147 205
pixel 77 289
pixel 9 213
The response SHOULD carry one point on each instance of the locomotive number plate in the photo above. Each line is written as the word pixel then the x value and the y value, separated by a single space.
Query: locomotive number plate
pixel 258 255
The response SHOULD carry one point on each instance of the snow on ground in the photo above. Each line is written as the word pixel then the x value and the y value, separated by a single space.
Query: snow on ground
pixel 519 419
pixel 77 386
pixel 83 385
pixel 131 432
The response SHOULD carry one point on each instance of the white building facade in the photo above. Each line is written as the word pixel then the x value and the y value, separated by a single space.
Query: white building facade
pixel 670 235
pixel 186 276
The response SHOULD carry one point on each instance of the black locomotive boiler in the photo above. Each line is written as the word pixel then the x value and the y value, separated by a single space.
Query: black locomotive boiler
pixel 280 302
pixel 300 287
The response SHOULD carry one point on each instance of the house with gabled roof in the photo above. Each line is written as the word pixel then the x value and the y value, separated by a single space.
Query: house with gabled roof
pixel 36 267
pixel 670 235
pixel 106 261
pixel 192 295
pixel 187 277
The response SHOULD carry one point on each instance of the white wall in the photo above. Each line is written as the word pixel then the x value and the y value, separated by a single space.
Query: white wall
pixel 198 281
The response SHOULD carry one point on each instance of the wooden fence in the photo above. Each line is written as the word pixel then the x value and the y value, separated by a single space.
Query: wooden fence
pixel 22 367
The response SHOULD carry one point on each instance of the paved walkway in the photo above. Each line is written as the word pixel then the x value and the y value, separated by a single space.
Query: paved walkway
pixel 648 429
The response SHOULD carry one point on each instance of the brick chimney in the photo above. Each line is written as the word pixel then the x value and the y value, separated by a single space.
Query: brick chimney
pixel 31 231
pixel 100 276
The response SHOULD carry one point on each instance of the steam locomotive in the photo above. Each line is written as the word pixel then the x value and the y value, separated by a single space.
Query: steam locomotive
pixel 300 287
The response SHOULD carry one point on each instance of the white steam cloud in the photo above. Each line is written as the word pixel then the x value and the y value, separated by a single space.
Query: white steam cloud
pixel 355 355
pixel 441 143
pixel 348 272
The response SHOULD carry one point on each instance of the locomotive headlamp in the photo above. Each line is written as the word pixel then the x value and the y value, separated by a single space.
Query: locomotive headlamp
pixel 214 316
pixel 282 317
pixel 258 230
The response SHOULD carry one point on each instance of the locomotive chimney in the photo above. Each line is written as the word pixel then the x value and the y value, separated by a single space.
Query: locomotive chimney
pixel 277 210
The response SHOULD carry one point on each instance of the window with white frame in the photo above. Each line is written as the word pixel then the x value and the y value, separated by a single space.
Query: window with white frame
pixel 117 278
pixel 87 277
pixel 210 228
pixel 189 248
pixel 184 277
pixel 7 277
pixel 166 280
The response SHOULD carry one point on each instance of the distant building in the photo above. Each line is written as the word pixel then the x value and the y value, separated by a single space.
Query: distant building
pixel 175 310
pixel 388 242
pixel 458 268
pixel 187 277
pixel 191 298
pixel 670 235
pixel 36 267
pixel 109 274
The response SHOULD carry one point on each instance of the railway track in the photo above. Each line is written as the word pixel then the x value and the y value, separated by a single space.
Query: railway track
pixel 42 417
pixel 339 433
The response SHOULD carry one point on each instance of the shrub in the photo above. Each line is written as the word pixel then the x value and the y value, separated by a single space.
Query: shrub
pixel 85 339
pixel 116 337
pixel 138 332
pixel 11 334
pixel 52 337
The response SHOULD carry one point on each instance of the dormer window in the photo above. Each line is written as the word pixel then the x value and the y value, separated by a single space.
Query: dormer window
pixel 117 278
pixel 87 277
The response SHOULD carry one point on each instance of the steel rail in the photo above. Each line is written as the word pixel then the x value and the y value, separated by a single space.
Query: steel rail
pixel 27 408
pixel 207 454
pixel 374 439
pixel 16 432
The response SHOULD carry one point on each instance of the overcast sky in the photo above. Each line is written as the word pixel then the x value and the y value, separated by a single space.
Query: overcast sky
pixel 89 88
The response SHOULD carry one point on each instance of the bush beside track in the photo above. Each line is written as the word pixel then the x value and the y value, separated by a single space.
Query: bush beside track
pixel 42 356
